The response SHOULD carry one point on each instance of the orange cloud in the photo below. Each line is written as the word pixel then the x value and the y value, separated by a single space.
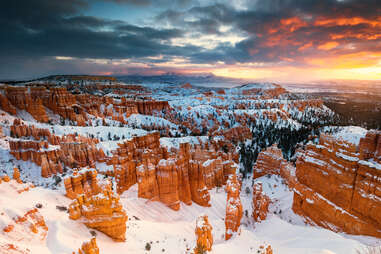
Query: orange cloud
pixel 305 46
pixel 323 21
pixel 371 35
pixel 328 45
pixel 292 24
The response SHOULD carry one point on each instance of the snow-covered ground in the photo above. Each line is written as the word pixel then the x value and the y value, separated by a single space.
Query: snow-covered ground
pixel 169 231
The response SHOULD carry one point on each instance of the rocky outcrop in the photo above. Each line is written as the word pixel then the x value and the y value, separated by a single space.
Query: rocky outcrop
pixel 233 207
pixel 271 161
pixel 82 182
pixel 147 183
pixel 260 203
pixel 148 107
pixel 20 98
pixel 203 231
pixel 370 146
pixel 168 182
pixel 6 105
pixel 102 212
pixel 89 247
pixel 52 152
pixel 338 188
pixel 268 162
pixel 30 225
pixel 185 174
pixel 16 175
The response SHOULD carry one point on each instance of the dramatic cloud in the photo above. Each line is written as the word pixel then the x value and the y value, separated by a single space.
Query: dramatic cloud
pixel 258 39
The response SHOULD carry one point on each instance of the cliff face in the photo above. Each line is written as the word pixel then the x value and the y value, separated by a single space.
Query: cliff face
pixel 339 188
pixel 336 184
pixel 20 98
pixel 102 212
pixel 183 174
pixel 233 207
pixel 52 152
pixel 268 162
pixel 148 107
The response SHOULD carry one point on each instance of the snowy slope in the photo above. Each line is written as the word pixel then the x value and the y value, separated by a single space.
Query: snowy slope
pixel 173 232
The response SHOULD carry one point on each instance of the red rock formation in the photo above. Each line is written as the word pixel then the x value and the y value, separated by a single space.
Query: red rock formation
pixel 260 203
pixel 147 184
pixel 70 150
pixel 64 104
pixel 271 161
pixel 199 190
pixel 6 105
pixel 183 174
pixel 148 107
pixel 20 98
pixel 268 162
pixel 233 207
pixel 168 182
pixel 82 182
pixel 89 247
pixel 370 145
pixel 16 175
pixel 102 212
pixel 203 233
pixel 336 189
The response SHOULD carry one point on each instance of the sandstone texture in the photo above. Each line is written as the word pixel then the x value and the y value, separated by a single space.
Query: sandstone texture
pixel 185 174
pixel 89 247
pixel 339 187
pixel 260 203
pixel 234 210
pixel 102 212
pixel 203 233
pixel 268 162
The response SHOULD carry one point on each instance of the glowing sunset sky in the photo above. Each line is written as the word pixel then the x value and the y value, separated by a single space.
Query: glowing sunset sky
pixel 289 40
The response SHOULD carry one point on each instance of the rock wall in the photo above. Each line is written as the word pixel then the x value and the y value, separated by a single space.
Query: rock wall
pixel 339 188
pixel 53 152
pixel 268 162
pixel 22 99
pixel 148 107
pixel 337 185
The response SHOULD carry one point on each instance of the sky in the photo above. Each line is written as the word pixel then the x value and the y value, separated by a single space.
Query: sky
pixel 283 40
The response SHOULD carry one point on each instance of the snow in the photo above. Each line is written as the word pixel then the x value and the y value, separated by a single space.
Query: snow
pixel 351 134
pixel 173 231
pixel 371 164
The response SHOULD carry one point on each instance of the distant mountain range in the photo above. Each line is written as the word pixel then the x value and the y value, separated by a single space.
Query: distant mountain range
pixel 209 80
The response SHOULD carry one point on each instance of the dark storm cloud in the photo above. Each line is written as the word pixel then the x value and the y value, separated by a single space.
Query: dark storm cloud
pixel 275 31
pixel 289 30
pixel 48 28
